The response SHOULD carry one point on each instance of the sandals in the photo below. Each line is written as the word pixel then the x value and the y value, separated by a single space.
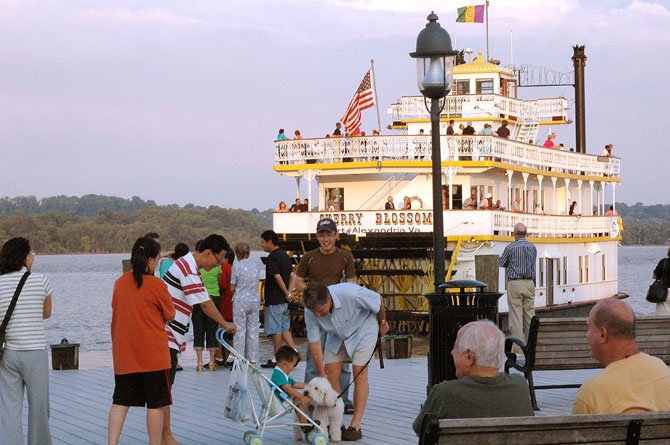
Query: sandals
pixel 351 434
pixel 212 366
pixel 199 368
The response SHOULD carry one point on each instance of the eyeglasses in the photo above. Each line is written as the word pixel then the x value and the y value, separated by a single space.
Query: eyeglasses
pixel 219 260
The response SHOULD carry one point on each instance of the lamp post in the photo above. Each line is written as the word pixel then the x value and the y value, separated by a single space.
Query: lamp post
pixel 434 62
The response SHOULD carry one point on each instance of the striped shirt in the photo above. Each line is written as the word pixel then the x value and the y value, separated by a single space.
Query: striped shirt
pixel 187 289
pixel 519 260
pixel 25 331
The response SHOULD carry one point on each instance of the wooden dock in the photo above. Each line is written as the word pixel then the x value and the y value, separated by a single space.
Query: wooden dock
pixel 80 401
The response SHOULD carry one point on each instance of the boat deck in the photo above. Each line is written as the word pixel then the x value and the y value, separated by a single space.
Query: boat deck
pixel 80 402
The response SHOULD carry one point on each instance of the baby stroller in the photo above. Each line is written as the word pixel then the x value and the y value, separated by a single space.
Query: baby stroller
pixel 275 403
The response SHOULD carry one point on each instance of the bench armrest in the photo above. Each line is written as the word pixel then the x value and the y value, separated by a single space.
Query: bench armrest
pixel 511 361
pixel 430 429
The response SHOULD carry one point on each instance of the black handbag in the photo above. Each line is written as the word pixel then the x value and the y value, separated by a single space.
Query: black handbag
pixel 657 292
pixel 10 309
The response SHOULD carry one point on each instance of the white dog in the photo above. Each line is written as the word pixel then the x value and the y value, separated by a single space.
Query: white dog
pixel 328 408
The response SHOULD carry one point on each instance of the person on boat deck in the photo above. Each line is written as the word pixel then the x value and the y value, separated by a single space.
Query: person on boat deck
pixel 450 128
pixel 296 207
pixel 471 202
pixel 304 207
pixel 549 143
pixel 296 135
pixel 574 209
pixel 516 205
pixel 498 205
pixel 281 136
pixel 281 208
pixel 480 390
pixel 337 132
pixel 518 260
pixel 461 127
pixel 503 131
pixel 662 272
pixel 389 204
pixel 607 151
pixel 407 203
pixel 486 131
pixel 351 316
pixel 484 203
pixel 632 381
pixel 611 212
pixel 469 130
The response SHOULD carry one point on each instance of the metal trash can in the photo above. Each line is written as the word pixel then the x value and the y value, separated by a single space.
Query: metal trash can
pixel 448 312
pixel 64 356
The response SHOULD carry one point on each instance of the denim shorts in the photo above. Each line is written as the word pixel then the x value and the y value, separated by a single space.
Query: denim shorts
pixel 276 319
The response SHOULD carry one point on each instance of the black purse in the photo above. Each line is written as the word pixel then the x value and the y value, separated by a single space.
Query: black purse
pixel 10 309
pixel 658 291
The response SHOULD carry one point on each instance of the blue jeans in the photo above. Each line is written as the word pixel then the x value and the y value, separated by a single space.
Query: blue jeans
pixel 345 377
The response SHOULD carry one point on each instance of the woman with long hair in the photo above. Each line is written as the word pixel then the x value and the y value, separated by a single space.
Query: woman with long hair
pixel 25 364
pixel 662 272
pixel 166 263
pixel 141 305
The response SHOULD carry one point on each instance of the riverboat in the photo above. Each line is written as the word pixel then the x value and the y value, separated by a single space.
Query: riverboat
pixel 577 253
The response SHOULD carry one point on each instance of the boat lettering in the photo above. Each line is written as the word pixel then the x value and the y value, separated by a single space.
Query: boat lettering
pixel 404 218
pixel 345 219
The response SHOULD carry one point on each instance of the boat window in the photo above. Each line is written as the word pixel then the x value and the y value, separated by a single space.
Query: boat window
pixel 484 86
pixel 583 268
pixel 540 279
pixel 462 87
pixel 334 199
pixel 456 196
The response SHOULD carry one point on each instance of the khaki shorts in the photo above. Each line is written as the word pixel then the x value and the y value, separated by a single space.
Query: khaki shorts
pixel 361 356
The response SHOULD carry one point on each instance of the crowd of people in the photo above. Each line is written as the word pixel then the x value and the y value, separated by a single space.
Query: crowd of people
pixel 297 207
pixel 162 295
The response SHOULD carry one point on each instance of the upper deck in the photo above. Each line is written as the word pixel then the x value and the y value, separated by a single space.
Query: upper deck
pixel 379 152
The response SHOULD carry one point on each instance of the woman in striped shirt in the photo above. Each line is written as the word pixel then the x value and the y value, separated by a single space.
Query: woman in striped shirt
pixel 25 365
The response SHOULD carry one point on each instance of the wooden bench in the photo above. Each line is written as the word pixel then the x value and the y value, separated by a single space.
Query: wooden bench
pixel 560 344
pixel 629 429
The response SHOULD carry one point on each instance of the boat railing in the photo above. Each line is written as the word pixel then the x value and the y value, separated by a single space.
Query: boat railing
pixel 454 148
pixel 456 223
pixel 480 105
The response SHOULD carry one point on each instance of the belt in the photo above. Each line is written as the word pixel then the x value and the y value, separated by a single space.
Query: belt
pixel 520 278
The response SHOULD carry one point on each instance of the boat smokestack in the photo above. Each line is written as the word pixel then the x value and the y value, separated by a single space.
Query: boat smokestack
pixel 579 62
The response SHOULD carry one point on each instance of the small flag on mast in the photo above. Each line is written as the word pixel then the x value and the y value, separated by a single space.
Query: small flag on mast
pixel 362 100
pixel 471 14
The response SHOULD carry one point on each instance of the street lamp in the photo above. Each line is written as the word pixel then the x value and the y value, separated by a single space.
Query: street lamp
pixel 435 62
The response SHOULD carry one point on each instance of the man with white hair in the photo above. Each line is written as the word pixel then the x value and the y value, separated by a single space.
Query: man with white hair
pixel 481 389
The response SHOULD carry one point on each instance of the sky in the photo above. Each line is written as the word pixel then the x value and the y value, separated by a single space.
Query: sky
pixel 180 101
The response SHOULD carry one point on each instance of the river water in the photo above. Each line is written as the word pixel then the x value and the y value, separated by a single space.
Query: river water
pixel 82 290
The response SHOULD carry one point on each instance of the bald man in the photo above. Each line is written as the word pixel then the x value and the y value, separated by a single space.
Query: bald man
pixel 632 381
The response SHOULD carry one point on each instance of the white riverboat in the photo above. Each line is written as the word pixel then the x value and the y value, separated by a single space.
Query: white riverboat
pixel 577 254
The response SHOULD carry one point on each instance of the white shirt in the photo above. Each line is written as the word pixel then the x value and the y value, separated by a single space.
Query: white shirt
pixel 25 331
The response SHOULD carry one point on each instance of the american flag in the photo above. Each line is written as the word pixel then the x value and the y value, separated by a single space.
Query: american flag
pixel 363 99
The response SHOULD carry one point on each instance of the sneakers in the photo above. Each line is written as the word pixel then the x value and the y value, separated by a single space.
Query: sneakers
pixel 348 409
pixel 351 434
pixel 268 364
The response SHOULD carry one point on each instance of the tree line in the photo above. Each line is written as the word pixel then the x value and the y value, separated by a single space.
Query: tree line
pixel 103 224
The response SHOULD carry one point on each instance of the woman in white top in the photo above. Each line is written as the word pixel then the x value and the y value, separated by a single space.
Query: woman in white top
pixel 25 365
pixel 246 302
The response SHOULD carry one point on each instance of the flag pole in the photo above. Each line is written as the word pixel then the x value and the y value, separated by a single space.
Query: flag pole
pixel 487 31
pixel 374 83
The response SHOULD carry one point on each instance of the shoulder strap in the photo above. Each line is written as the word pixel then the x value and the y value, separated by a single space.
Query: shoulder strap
pixel 10 309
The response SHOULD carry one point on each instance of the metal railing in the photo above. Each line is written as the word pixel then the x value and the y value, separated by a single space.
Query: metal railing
pixel 454 148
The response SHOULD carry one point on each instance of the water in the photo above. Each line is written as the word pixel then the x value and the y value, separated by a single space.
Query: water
pixel 83 285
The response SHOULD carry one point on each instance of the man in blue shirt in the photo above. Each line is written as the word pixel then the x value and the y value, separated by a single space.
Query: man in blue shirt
pixel 352 317
pixel 518 259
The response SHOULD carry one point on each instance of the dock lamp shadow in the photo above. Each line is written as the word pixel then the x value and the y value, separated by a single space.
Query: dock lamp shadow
pixel 435 61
